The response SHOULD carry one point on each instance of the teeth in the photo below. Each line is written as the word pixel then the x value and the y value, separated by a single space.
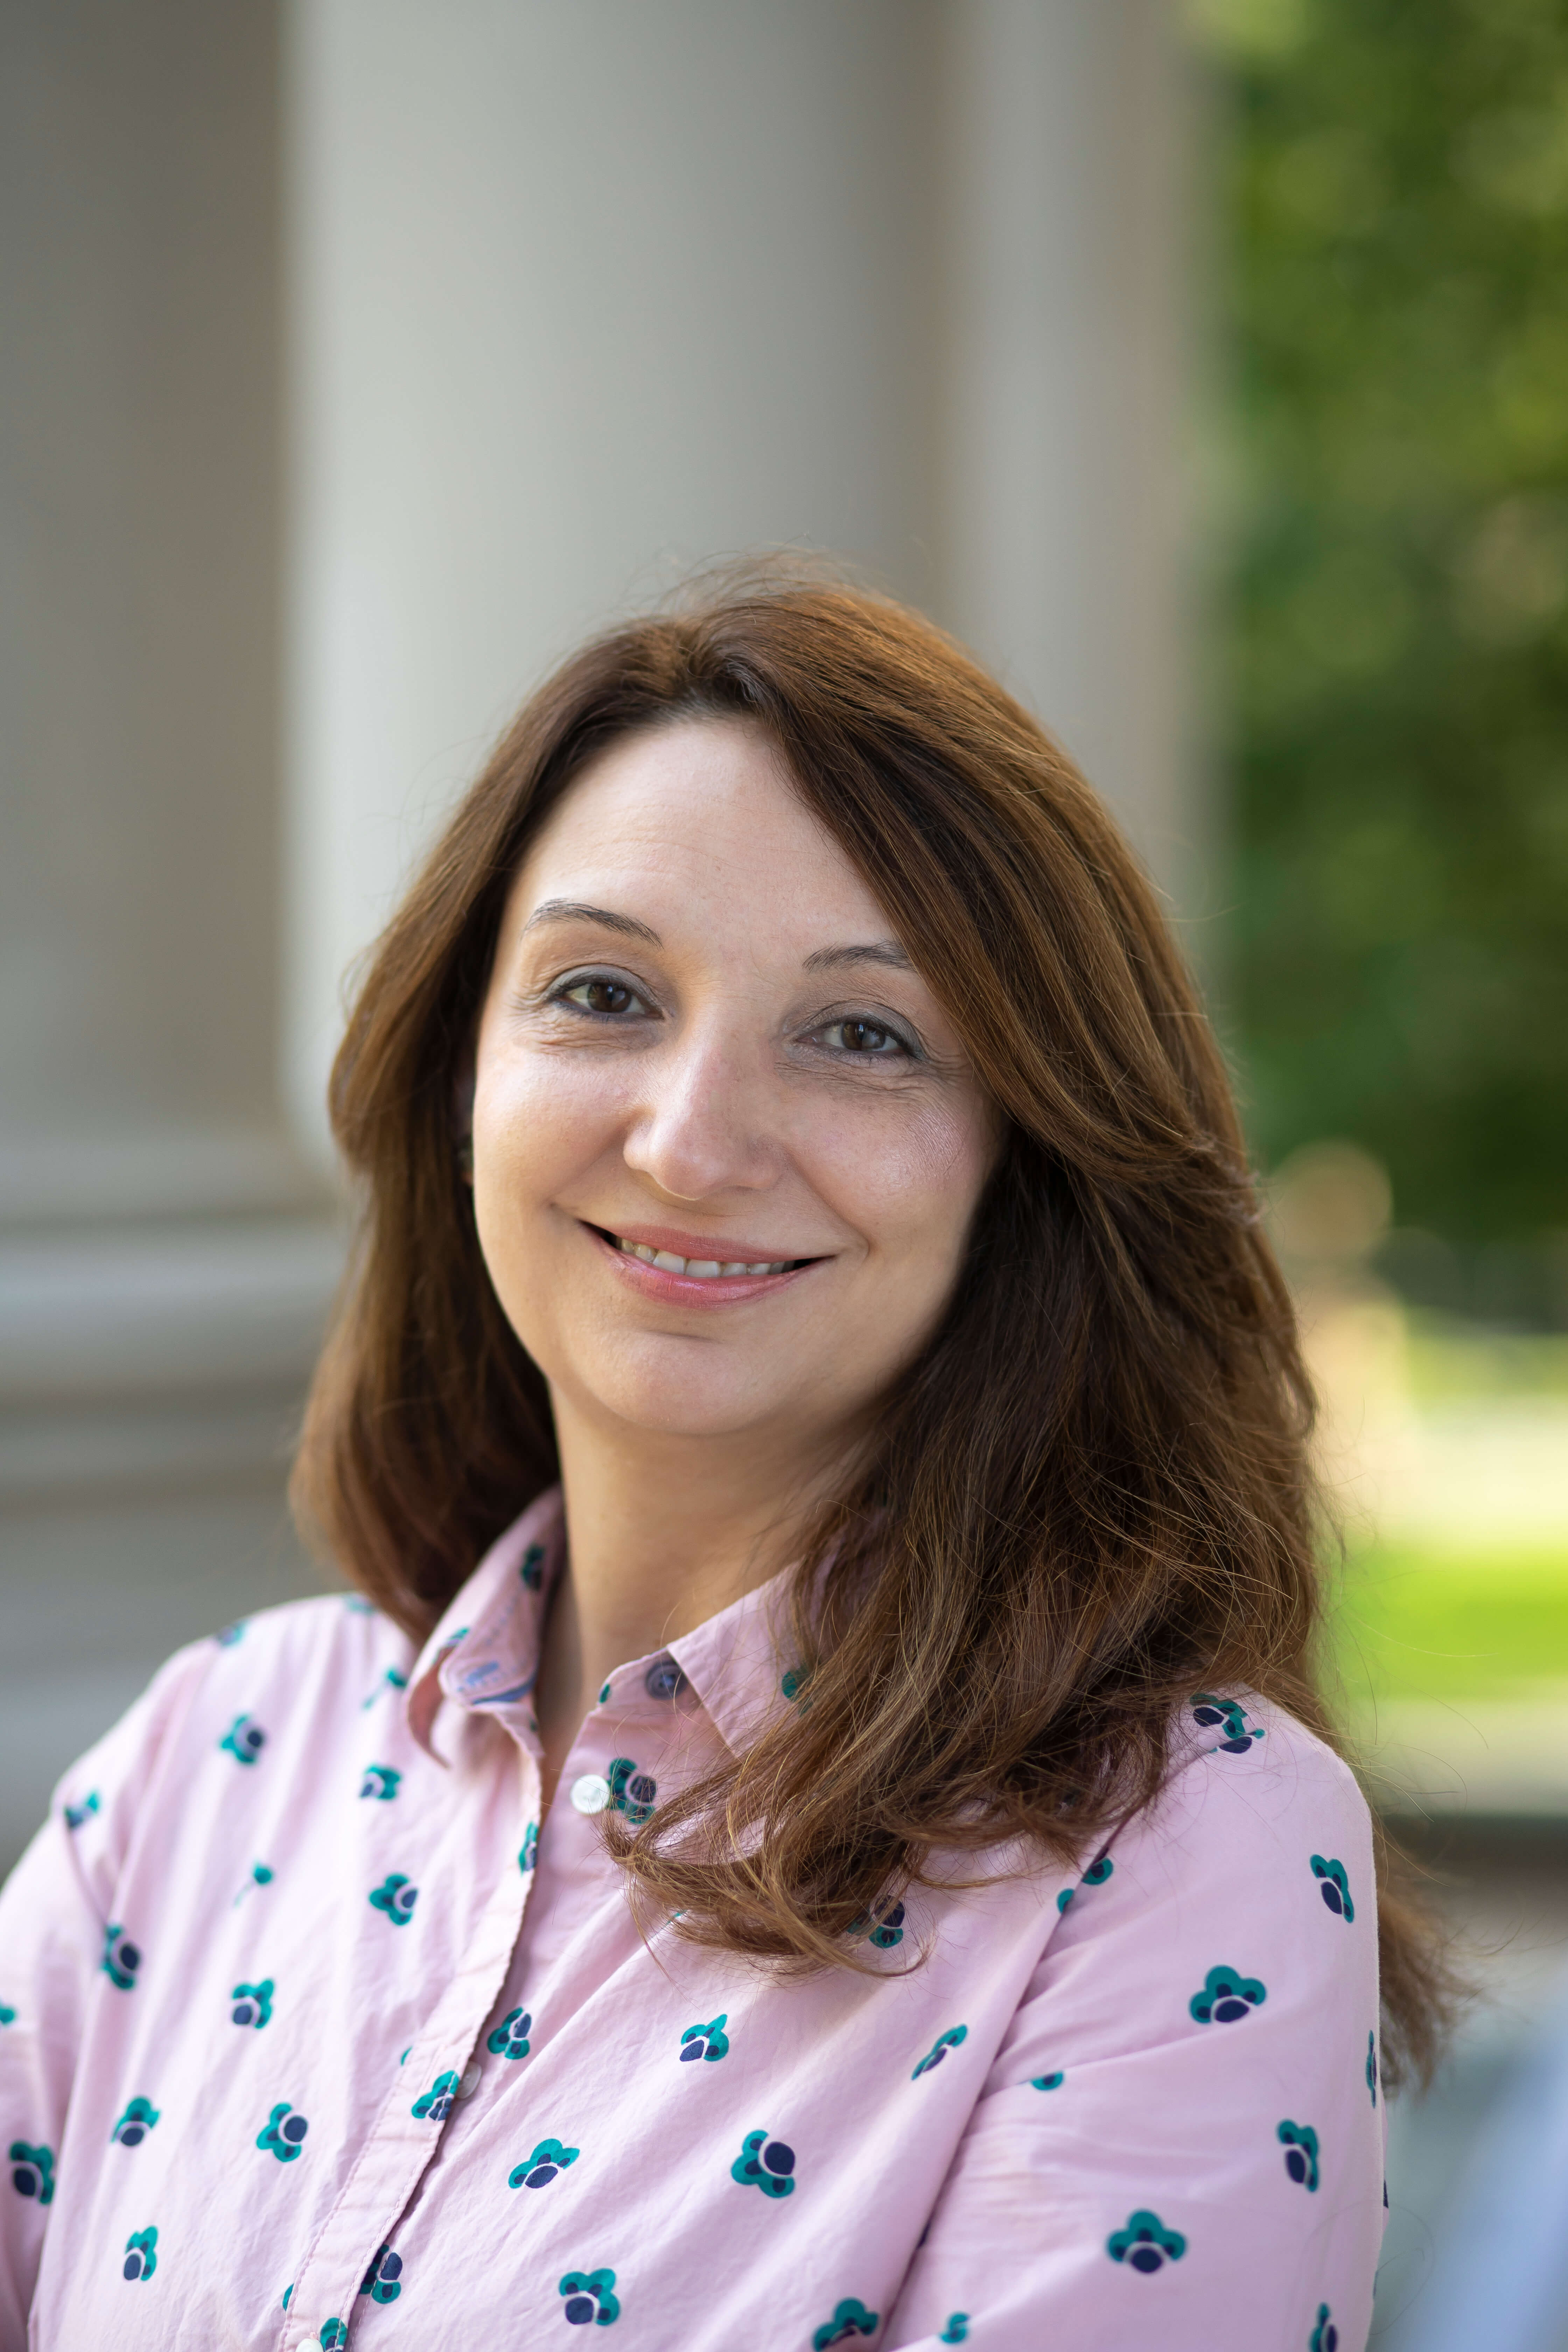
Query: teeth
pixel 702 1269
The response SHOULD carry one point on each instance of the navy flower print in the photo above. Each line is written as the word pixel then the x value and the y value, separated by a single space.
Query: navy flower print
pixel 283 2131
pixel 396 1897
pixel 546 2164
pixel 1300 2142
pixel 590 2298
pixel 883 1925
pixel 244 1739
pixel 528 1852
pixel 380 1780
pixel 1325 2336
pixel 631 1793
pixel 850 2319
pixel 334 2335
pixel 708 2042
pixel 141 2254
pixel 939 2049
pixel 1226 1995
pixel 122 1959
pixel 766 2164
pixel 1224 1716
pixel 77 1814
pixel 133 2124
pixel 435 2104
pixel 510 2037
pixel 1099 1870
pixel 384 2280
pixel 33 2172
pixel 1371 2066
pixel 531 1568
pixel 1145 2244
pixel 957 2328
pixel 1334 1886
pixel 252 2004
pixel 1047 2082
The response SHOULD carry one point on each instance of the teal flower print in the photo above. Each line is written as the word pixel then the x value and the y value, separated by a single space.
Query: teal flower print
pixel 1099 1870
pixel 1371 2066
pixel 244 1739
pixel 850 2319
pixel 1325 2336
pixel 1334 1886
pixel 281 2133
pixel 1226 1995
pixel 631 1793
pixel 252 2004
pixel 528 1852
pixel 7 2014
pixel 510 2037
pixel 939 2049
pixel 1047 2082
pixel 334 2335
pixel 957 2328
pixel 122 1959
pixel 228 1635
pixel 1300 2142
pixel 531 1568
pixel 709 2041
pixel 590 2298
pixel 435 2104
pixel 384 2280
pixel 392 1679
pixel 33 2172
pixel 1145 2244
pixel 77 1814
pixel 380 1780
pixel 1224 1716
pixel 141 2254
pixel 547 2162
pixel 604 1694
pixel 882 1925
pixel 766 2164
pixel 133 2124
pixel 396 1897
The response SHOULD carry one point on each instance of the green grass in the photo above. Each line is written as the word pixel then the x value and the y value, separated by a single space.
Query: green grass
pixel 1407 1625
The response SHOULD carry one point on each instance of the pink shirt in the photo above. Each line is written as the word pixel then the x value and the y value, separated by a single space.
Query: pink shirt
pixel 312 2038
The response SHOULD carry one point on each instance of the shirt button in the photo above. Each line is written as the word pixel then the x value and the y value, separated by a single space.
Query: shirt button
pixel 470 2084
pixel 663 1679
pixel 590 1794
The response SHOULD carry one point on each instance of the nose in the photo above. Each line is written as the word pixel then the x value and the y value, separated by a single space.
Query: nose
pixel 708 1120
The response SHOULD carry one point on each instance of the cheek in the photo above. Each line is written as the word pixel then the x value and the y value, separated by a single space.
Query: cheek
pixel 536 1121
pixel 910 1183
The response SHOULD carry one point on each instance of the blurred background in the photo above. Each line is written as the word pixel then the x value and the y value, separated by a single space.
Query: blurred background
pixel 1201 363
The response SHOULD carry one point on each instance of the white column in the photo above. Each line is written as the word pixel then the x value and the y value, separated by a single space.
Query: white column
pixel 1067 287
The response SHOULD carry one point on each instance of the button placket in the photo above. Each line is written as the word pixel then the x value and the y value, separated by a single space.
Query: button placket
pixel 399 2146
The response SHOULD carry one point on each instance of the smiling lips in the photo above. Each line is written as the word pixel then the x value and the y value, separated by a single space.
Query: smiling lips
pixel 661 1272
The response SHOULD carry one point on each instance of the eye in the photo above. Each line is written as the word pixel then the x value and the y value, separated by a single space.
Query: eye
pixel 601 994
pixel 867 1040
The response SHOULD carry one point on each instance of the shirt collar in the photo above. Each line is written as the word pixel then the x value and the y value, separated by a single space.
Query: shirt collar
pixel 483 1655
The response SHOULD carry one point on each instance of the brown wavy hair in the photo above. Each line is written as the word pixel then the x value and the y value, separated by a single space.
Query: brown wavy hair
pixel 1090 1499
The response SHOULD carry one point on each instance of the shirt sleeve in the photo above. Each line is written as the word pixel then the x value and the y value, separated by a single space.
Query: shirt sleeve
pixel 57 1934
pixel 1181 2143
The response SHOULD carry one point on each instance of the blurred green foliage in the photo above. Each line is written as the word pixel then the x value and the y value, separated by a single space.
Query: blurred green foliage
pixel 1406 1625
pixel 1397 219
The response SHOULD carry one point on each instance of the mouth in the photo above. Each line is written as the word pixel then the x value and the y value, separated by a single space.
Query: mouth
pixel 691 1272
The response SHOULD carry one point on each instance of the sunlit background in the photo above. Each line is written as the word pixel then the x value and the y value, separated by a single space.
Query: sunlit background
pixel 1205 366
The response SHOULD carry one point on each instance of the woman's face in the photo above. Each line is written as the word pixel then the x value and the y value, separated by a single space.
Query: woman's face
pixel 727 1147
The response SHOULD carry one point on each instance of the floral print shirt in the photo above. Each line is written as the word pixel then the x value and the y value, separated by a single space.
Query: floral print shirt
pixel 311 2037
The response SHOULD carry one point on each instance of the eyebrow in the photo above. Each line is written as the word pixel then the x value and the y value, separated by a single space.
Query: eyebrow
pixel 887 952
pixel 573 910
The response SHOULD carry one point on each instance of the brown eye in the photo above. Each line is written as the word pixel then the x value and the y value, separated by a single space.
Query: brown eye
pixel 866 1038
pixel 607 996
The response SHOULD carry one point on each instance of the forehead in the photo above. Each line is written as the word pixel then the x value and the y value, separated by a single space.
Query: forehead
pixel 700 818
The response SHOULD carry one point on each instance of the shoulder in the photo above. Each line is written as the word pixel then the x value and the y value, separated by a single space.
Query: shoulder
pixel 285 1672
pixel 1261 1837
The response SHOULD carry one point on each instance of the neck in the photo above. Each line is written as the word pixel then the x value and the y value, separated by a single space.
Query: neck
pixel 662 1533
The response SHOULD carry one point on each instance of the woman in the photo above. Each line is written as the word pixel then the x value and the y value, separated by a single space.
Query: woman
pixel 816 1828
